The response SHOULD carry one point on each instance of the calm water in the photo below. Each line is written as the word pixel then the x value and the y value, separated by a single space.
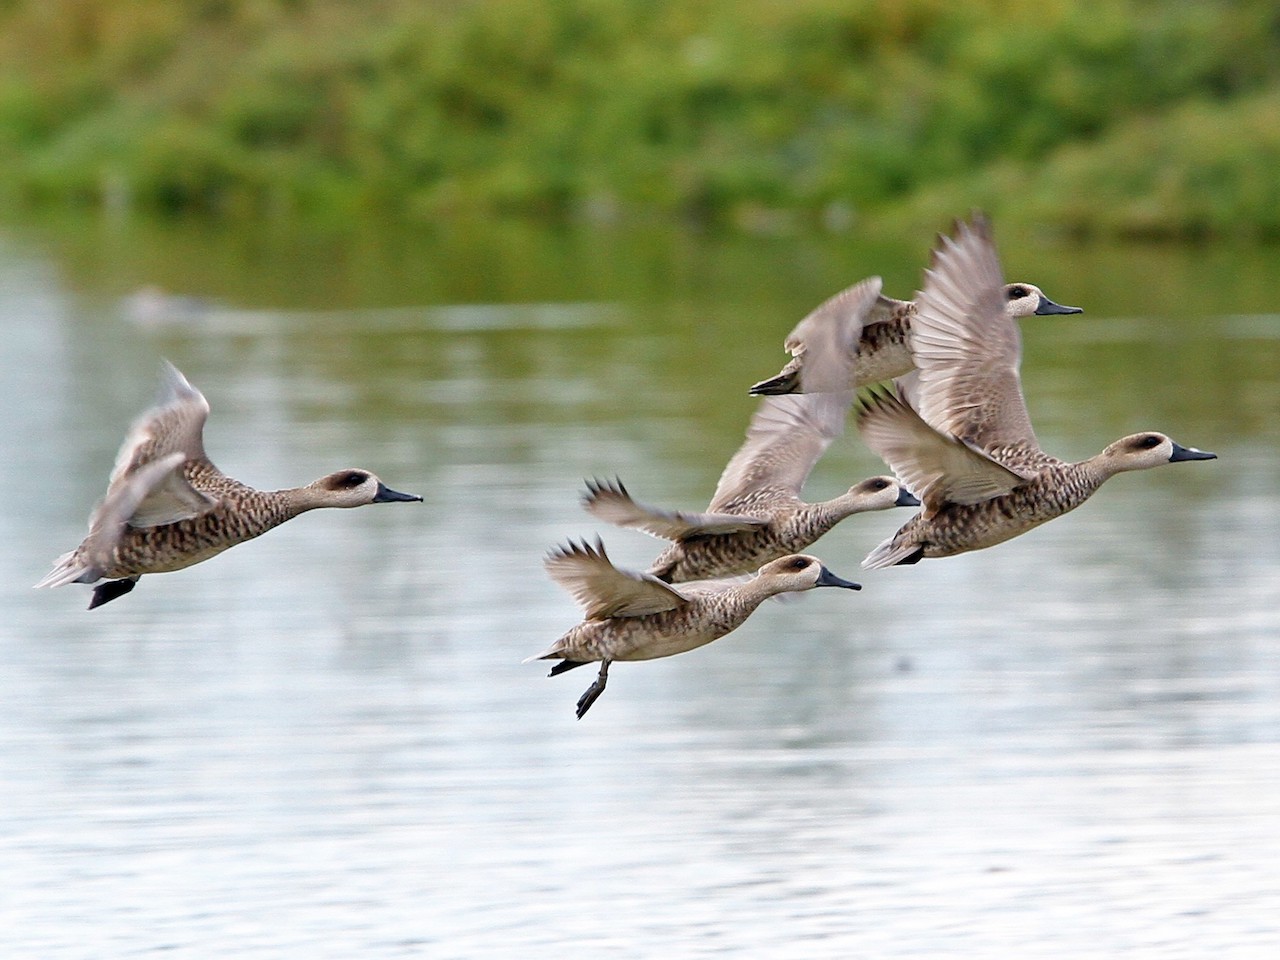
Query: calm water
pixel 324 744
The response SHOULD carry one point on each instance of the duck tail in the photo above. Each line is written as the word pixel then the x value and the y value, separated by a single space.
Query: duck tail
pixel 892 552
pixel 564 665
pixel 68 568
pixel 553 654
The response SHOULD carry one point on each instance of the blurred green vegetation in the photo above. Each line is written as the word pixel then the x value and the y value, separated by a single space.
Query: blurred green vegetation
pixel 1119 117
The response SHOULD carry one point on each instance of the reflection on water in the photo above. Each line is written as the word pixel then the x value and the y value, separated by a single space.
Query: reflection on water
pixel 323 743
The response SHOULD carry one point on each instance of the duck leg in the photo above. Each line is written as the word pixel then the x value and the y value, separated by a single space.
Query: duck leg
pixel 593 692
pixel 106 592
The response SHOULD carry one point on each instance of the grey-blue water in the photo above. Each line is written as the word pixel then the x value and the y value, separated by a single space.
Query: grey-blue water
pixel 323 744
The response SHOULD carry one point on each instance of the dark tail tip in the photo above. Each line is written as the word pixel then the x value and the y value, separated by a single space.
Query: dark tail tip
pixel 564 665
pixel 783 383
pixel 106 592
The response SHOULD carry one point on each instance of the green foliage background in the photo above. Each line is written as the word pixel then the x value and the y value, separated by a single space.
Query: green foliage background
pixel 1119 117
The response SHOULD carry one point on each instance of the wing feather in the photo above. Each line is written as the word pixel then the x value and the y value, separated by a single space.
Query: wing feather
pixel 175 424
pixel 936 468
pixel 602 589
pixel 828 337
pixel 967 349
pixel 787 436
pixel 610 501
pixel 172 428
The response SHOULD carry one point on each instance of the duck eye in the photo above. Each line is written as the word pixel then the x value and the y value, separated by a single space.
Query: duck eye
pixel 1017 293
pixel 1149 441
pixel 799 563
pixel 352 479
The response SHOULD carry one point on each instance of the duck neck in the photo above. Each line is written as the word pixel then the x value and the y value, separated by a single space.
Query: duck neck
pixel 751 593
pixel 292 501
pixel 825 514
pixel 1096 471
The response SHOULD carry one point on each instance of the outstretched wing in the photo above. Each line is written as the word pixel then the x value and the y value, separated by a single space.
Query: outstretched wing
pixel 789 433
pixel 967 348
pixel 936 468
pixel 115 514
pixel 172 428
pixel 609 501
pixel 787 436
pixel 828 337
pixel 602 589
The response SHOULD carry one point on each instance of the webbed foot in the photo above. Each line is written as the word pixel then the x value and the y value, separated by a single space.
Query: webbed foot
pixel 593 692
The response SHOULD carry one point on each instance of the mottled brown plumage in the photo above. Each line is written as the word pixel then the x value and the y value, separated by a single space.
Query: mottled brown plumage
pixel 635 616
pixel 743 534
pixel 756 513
pixel 880 347
pixel 168 507
pixel 957 431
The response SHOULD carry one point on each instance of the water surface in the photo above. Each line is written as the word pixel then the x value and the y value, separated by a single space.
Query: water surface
pixel 324 744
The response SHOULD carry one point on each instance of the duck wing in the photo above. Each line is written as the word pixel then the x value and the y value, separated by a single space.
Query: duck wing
pixel 173 427
pixel 787 436
pixel 966 348
pixel 828 336
pixel 124 502
pixel 789 433
pixel 886 310
pixel 609 501
pixel 936 468
pixel 602 589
